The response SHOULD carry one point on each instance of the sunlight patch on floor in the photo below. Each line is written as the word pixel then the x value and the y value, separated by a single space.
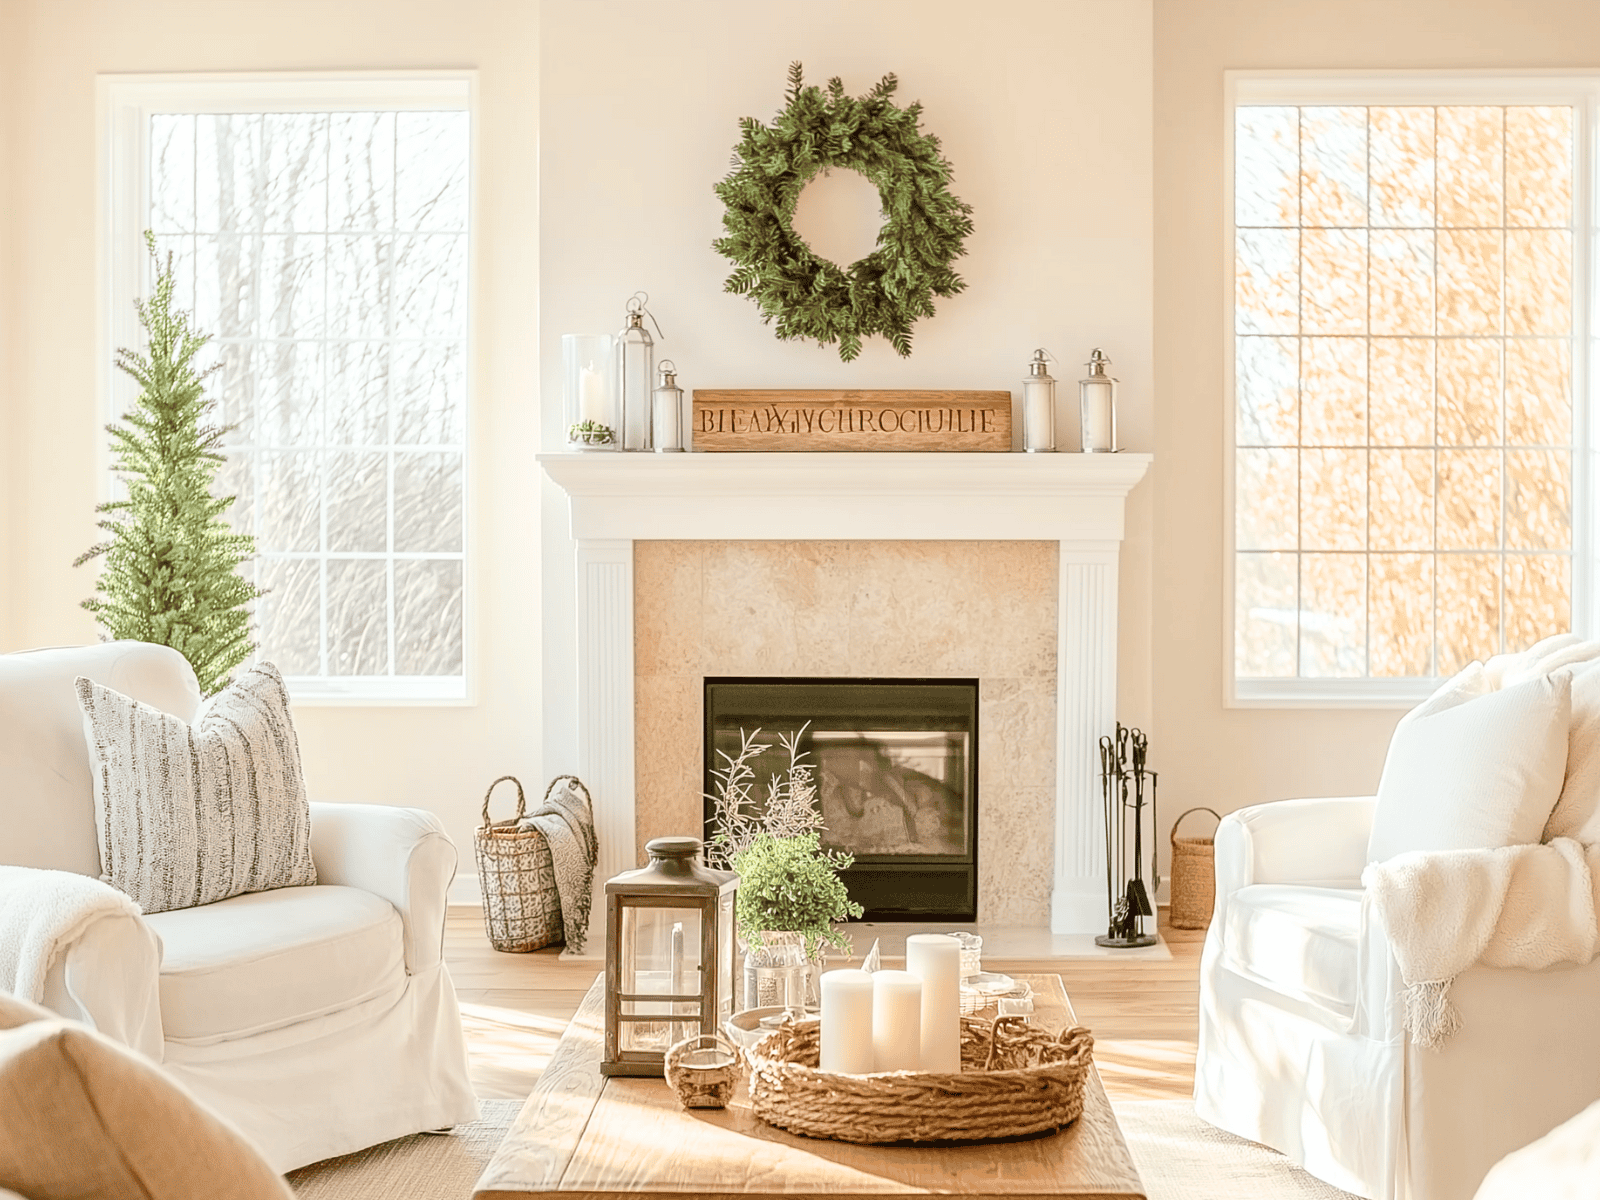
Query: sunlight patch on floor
pixel 507 1049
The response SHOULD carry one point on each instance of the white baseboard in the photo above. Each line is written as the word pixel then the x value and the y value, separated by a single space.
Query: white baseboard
pixel 464 890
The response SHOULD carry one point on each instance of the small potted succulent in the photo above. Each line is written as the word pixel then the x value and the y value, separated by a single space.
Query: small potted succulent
pixel 590 434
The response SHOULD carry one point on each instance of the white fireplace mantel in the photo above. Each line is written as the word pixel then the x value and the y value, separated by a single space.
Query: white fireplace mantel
pixel 1077 500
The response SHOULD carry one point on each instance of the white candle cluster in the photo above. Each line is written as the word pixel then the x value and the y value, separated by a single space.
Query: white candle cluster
pixel 896 1020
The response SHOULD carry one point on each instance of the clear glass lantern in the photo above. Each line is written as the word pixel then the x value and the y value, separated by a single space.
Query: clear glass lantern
pixel 635 374
pixel 1097 399
pixel 589 368
pixel 669 956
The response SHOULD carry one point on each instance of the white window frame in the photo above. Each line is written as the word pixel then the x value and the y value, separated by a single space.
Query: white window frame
pixel 125 104
pixel 1581 90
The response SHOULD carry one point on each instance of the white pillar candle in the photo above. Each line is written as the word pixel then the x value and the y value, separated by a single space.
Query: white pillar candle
pixel 896 1021
pixel 592 398
pixel 935 958
pixel 847 1022
pixel 1038 415
pixel 1099 421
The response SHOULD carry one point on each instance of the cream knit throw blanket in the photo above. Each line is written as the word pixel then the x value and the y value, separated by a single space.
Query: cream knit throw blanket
pixel 41 912
pixel 1444 911
pixel 568 825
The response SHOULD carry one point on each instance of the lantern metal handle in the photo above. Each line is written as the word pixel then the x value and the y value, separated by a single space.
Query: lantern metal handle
pixel 638 306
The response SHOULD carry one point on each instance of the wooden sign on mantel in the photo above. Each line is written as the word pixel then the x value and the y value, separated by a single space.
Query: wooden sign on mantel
pixel 827 419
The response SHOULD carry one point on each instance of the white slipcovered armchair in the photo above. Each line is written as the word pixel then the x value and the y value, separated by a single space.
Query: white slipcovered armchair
pixel 1302 1042
pixel 318 1019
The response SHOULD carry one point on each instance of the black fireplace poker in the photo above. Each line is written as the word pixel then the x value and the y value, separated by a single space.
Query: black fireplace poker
pixel 1123 780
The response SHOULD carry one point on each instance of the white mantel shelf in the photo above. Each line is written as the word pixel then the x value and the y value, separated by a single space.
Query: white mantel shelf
pixel 1076 498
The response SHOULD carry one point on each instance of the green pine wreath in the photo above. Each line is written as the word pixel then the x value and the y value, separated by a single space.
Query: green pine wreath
pixel 924 224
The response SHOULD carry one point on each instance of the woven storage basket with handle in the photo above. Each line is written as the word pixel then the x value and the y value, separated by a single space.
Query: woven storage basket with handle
pixel 1194 877
pixel 521 910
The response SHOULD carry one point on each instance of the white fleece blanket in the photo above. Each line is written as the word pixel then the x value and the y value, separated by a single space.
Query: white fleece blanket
pixel 1444 911
pixel 41 912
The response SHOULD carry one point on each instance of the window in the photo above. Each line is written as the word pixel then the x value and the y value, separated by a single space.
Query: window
pixel 1409 263
pixel 320 234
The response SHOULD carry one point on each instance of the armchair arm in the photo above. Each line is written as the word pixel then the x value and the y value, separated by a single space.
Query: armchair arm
pixel 400 854
pixel 1320 841
pixel 81 948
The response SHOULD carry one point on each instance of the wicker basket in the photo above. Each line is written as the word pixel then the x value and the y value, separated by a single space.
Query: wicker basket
pixel 521 911
pixel 1194 877
pixel 1014 1081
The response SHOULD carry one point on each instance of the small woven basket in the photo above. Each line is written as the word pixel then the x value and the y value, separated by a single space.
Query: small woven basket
pixel 521 910
pixel 1194 877
pixel 702 1070
pixel 1014 1081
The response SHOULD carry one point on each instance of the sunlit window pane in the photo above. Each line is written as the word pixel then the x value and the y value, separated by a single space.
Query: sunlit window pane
pixel 1405 504
pixel 326 253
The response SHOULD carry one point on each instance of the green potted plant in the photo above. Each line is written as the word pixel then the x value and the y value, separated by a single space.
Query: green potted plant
pixel 791 885
pixel 790 893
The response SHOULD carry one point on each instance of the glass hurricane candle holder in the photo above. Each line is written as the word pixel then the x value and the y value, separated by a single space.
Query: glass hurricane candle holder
pixel 591 409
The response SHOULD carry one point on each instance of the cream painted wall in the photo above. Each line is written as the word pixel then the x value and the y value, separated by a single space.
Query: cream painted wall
pixel 1043 108
pixel 437 758
pixel 1207 754
pixel 10 38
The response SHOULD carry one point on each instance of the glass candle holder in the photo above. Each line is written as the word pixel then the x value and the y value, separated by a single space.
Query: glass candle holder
pixel 592 411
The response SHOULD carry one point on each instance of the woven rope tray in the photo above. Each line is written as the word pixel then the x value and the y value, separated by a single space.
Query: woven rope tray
pixel 1014 1081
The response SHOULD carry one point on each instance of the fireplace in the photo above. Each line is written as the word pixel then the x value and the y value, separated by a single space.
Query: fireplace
pixel 1000 567
pixel 896 769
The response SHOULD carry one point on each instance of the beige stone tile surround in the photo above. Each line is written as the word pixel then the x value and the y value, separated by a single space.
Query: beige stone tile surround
pixel 960 609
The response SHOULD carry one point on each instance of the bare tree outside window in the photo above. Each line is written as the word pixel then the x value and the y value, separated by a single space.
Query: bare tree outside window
pixel 327 254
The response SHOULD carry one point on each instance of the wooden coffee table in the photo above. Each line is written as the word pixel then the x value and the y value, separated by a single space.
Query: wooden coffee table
pixel 582 1136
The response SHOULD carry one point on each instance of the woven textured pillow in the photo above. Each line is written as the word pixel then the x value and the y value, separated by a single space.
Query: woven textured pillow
pixel 190 814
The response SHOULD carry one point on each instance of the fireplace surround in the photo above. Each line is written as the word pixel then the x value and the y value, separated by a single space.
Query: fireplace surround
pixel 858 500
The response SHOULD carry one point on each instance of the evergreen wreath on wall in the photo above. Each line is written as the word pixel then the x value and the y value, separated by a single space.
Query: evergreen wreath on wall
pixel 924 224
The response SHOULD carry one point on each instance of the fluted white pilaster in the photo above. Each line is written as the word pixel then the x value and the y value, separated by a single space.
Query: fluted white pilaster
pixel 605 697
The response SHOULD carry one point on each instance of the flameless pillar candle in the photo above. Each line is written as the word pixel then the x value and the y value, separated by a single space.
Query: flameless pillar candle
pixel 592 399
pixel 935 959
pixel 896 1021
pixel 847 1022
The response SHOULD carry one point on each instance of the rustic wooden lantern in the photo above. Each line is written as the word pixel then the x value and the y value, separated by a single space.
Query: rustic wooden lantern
pixel 669 956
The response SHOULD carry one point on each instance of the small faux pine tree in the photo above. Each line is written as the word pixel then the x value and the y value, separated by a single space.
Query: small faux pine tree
pixel 171 571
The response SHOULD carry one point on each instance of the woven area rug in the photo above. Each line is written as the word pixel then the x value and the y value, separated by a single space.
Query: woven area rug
pixel 1179 1156
pixel 424 1166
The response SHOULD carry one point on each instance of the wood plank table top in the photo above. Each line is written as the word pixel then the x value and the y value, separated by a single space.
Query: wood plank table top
pixel 582 1136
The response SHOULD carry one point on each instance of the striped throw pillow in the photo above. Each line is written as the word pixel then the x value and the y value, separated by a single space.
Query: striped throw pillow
pixel 190 814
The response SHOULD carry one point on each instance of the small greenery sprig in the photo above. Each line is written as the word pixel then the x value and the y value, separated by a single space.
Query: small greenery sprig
pixel 792 885
pixel 925 226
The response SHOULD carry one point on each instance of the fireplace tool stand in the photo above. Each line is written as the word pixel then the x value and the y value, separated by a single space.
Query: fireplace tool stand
pixel 1128 788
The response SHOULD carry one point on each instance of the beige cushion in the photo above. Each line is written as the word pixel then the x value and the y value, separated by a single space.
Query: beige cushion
pixel 14 1011
pixel 193 813
pixel 1299 941
pixel 81 1116
pixel 47 798
pixel 1476 775
pixel 269 959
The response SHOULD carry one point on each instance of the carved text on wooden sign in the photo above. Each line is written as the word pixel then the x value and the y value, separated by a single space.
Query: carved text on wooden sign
pixel 825 419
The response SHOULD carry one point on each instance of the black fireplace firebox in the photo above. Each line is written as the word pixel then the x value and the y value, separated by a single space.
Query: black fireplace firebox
pixel 896 765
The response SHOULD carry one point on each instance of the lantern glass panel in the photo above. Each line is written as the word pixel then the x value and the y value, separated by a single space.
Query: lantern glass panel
pixel 725 961
pixel 660 957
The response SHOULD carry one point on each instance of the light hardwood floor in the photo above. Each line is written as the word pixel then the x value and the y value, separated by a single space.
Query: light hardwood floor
pixel 1143 1012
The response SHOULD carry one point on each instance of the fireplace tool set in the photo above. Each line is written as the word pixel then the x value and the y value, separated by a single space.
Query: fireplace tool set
pixel 1124 782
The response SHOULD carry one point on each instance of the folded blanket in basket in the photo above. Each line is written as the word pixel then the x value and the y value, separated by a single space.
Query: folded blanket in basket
pixel 41 912
pixel 1444 911
pixel 568 825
